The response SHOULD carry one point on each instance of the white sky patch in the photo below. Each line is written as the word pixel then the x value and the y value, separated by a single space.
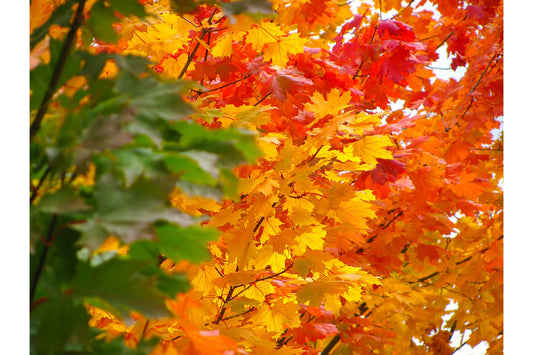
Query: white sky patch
pixel 443 66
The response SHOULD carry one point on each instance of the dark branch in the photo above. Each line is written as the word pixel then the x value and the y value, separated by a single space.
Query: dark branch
pixel 331 344
pixel 35 190
pixel 263 98
pixel 483 74
pixel 446 39
pixel 42 258
pixel 199 92
pixel 58 70
pixel 223 310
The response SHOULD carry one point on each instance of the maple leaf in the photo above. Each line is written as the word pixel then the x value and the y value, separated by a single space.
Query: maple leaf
pixel 223 46
pixel 370 148
pixel 321 106
pixel 209 341
pixel 277 316
pixel 275 44
pixel 310 332
pixel 279 51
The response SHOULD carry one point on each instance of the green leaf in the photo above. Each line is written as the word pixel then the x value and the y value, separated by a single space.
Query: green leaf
pixel 101 21
pixel 173 284
pixel 188 169
pixel 192 190
pixel 153 99
pixel 128 7
pixel 138 162
pixel 63 201
pixel 234 146
pixel 185 6
pixel 144 250
pixel 58 323
pixel 129 213
pixel 93 64
pixel 125 284
pixel 185 243
pixel 256 9
pixel 131 64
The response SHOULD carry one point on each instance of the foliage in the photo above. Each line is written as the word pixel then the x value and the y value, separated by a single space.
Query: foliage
pixel 245 166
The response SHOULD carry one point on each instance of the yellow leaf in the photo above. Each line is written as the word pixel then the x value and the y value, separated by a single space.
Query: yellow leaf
pixel 259 290
pixel 266 32
pixel 277 317
pixel 312 293
pixel 279 51
pixel 371 148
pixel 267 257
pixel 223 46
pixel 172 67
pixel 275 44
pixel 203 281
pixel 334 103
pixel 160 39
pixel 314 239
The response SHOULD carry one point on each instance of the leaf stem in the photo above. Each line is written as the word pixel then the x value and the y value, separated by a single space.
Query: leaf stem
pixel 58 70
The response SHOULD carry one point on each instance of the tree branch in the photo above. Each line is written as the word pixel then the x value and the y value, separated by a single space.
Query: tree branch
pixel 199 92
pixel 263 98
pixel 331 344
pixel 35 189
pixel 483 74
pixel 446 39
pixel 197 46
pixel 42 258
pixel 223 310
pixel 58 70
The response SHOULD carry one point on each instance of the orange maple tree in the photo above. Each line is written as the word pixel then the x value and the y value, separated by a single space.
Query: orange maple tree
pixel 373 220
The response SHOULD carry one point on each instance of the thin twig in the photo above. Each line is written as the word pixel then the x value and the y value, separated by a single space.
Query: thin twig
pixel 268 277
pixel 263 98
pixel 223 310
pixel 251 309
pixel 42 259
pixel 331 344
pixel 483 74
pixel 193 53
pixel 195 49
pixel 58 70
pixel 422 279
pixel 35 189
pixel 199 92
pixel 369 43
pixel 446 39
pixel 381 228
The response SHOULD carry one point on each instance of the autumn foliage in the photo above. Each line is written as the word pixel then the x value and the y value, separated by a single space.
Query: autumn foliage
pixel 350 199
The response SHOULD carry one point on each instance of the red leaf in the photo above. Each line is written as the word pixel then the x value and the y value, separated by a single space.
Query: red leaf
pixel 395 30
pixel 313 331
pixel 475 11
pixel 387 170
